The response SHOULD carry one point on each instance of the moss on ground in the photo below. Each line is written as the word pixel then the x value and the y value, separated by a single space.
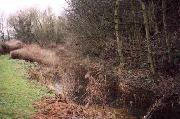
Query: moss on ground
pixel 17 93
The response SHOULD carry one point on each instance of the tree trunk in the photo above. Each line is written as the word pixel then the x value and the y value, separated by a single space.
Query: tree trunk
pixel 8 35
pixel 148 40
pixel 154 18
pixel 117 32
pixel 165 30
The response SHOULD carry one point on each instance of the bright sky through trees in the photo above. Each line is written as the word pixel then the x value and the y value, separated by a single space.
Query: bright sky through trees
pixel 11 6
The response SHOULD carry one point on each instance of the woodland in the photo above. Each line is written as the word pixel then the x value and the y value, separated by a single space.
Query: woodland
pixel 100 57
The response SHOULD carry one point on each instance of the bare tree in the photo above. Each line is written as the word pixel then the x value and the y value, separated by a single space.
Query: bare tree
pixel 117 31
pixel 148 39
pixel 31 25
pixel 165 30
pixel 2 20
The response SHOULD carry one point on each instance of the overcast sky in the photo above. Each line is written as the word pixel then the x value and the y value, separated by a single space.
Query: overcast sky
pixel 11 6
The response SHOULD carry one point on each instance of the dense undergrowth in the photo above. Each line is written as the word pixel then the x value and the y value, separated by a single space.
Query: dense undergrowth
pixel 92 83
pixel 17 93
pixel 84 82
pixel 107 53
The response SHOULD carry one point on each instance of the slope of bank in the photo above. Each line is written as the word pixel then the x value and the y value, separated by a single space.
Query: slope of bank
pixel 17 94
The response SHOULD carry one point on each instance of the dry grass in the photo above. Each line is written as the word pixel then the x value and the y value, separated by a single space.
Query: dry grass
pixel 42 74
pixel 11 45
pixel 35 53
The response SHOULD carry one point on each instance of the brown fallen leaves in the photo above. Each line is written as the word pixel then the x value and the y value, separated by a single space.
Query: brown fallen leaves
pixel 59 108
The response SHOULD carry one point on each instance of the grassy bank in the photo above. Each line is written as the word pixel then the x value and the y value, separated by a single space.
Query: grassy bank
pixel 17 93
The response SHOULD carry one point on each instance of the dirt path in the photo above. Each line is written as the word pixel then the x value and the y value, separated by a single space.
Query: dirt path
pixel 17 94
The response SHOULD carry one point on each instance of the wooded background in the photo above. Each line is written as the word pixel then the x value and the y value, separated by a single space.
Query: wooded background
pixel 126 33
